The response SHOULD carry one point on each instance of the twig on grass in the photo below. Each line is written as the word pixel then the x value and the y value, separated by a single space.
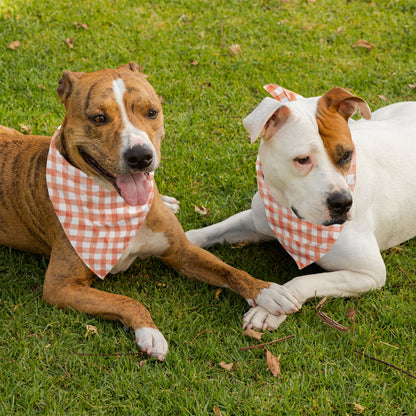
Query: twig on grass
pixel 328 320
pixel 410 280
pixel 385 363
pixel 115 354
pixel 253 347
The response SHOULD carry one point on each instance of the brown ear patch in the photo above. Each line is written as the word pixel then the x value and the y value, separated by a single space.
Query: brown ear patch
pixel 335 133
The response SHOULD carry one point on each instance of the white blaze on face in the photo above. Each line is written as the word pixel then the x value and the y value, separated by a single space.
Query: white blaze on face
pixel 134 186
pixel 130 135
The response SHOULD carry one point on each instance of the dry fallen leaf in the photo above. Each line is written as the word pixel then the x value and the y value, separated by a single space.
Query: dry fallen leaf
pixel 382 97
pixel 358 408
pixel 81 25
pixel 226 366
pixel 217 293
pixel 194 62
pixel 70 42
pixel 235 49
pixel 217 411
pixel 253 334
pixel 362 43
pixel 91 330
pixel 14 45
pixel 25 128
pixel 412 86
pixel 202 210
pixel 273 363
pixel 351 314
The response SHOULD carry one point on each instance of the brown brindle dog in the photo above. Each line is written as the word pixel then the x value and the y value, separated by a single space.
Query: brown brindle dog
pixel 112 131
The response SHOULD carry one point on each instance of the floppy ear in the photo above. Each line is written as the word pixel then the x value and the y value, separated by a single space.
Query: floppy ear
pixel 66 83
pixel 266 119
pixel 346 104
pixel 132 66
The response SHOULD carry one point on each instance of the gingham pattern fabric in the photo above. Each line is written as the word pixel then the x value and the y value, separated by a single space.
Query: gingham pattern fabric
pixel 97 221
pixel 304 241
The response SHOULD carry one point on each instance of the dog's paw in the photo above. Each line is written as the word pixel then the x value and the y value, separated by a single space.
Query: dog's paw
pixel 278 300
pixel 171 203
pixel 152 342
pixel 258 318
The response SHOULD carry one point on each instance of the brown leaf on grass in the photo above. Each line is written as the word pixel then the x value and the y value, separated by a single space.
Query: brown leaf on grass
pixel 91 330
pixel 351 314
pixel 201 210
pixel 70 42
pixel 382 97
pixel 362 43
pixel 26 128
pixel 358 408
pixel 14 45
pixel 253 334
pixel 226 366
pixel 235 49
pixel 412 86
pixel 273 363
pixel 194 62
pixel 217 411
pixel 217 293
pixel 81 25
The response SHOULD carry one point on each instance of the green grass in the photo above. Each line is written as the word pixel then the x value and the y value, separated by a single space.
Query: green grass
pixel 48 365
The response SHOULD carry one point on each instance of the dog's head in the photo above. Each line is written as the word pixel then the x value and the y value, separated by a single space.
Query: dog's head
pixel 306 152
pixel 113 128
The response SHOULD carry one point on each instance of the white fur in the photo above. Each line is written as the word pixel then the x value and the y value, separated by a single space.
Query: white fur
pixel 131 135
pixel 152 342
pixel 144 244
pixel 383 212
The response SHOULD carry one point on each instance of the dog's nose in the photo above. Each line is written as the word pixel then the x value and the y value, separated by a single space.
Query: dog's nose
pixel 138 157
pixel 339 202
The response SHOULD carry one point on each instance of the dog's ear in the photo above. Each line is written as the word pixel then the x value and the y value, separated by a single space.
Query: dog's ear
pixel 66 83
pixel 132 66
pixel 266 119
pixel 346 104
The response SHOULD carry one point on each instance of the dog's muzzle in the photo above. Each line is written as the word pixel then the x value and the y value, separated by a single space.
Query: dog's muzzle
pixel 339 204
pixel 138 157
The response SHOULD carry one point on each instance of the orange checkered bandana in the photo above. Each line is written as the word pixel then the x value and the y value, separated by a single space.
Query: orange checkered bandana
pixel 304 241
pixel 98 222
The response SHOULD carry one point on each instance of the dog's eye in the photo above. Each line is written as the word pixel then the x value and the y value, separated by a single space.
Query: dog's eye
pixel 98 119
pixel 152 114
pixel 302 160
pixel 346 157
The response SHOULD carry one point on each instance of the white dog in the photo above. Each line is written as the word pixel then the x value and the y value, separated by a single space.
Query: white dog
pixel 343 213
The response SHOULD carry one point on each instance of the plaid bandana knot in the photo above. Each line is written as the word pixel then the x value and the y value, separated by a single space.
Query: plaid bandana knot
pixel 304 241
pixel 97 221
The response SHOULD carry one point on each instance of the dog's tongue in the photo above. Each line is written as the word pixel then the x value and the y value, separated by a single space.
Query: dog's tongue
pixel 134 188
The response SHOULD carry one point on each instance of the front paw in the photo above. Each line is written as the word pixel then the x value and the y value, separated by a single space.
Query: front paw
pixel 278 300
pixel 171 203
pixel 260 319
pixel 152 342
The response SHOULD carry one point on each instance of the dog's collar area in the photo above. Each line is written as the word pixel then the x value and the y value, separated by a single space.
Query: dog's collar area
pixel 99 223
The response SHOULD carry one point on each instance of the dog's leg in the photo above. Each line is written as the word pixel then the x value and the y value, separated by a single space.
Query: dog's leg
pixel 246 226
pixel 171 203
pixel 360 269
pixel 238 228
pixel 67 284
pixel 197 263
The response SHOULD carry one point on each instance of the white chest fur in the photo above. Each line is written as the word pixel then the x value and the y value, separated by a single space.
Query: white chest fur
pixel 144 244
